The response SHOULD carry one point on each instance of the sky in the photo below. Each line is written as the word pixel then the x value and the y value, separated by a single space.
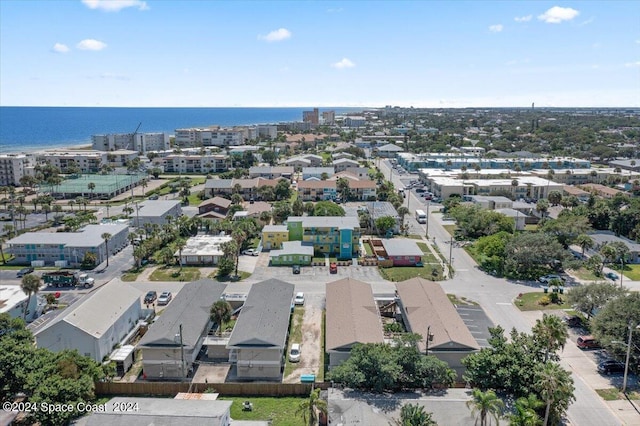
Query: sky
pixel 161 53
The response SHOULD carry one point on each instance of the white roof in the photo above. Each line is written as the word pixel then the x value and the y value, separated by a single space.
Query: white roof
pixel 10 296
pixel 122 353
pixel 89 236
pixel 204 245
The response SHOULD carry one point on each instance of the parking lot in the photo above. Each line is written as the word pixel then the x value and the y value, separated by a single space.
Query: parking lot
pixel 477 322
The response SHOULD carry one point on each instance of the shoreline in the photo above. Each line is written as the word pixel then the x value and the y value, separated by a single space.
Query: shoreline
pixel 34 150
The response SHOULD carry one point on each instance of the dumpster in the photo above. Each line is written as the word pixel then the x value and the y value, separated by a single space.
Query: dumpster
pixel 308 378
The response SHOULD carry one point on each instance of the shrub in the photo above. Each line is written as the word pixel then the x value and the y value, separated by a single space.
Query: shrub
pixel 544 300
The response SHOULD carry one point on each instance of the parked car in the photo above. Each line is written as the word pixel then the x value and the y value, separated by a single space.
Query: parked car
pixel 294 352
pixel 587 342
pixel 573 321
pixel 610 366
pixel 154 197
pixel 150 297
pixel 547 278
pixel 24 271
pixel 612 276
pixel 251 252
pixel 165 298
pixel 299 299
pixel 333 268
pixel 296 269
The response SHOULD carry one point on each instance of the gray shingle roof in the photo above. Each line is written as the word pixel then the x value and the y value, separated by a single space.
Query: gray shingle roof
pixel 390 147
pixel 264 318
pixel 190 308
pixel 218 184
pixel 352 315
pixel 156 208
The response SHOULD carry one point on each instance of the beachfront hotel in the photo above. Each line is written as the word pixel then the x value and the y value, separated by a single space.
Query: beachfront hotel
pixel 140 142
pixel 13 167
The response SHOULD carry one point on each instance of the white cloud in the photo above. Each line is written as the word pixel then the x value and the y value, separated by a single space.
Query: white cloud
pixel 344 63
pixel 60 48
pixel 557 14
pixel 115 5
pixel 587 22
pixel 91 44
pixel 276 35
pixel 632 64
pixel 523 18
pixel 496 28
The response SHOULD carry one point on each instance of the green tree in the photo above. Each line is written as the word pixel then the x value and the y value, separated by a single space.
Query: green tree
pixel 402 212
pixel 165 255
pixel 542 207
pixel 556 390
pixel 529 255
pixel 220 314
pixel 310 408
pixel 551 334
pixel 180 244
pixel 415 415
pixel 283 189
pixel 91 187
pixel 555 197
pixel 384 224
pixel 566 228
pixel 525 411
pixel 297 207
pixel 30 285
pixel 484 404
pixel 327 208
pixel 106 237
pixel 590 298
pixel 585 242
pixel 611 325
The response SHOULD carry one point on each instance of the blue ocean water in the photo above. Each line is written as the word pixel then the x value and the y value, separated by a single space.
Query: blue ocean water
pixel 24 129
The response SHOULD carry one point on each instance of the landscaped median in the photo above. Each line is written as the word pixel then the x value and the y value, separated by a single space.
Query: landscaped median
pixel 540 301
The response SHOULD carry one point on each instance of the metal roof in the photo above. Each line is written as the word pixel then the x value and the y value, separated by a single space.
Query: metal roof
pixel 378 209
pixel 191 309
pixel 89 236
pixel 156 208
pixel 352 315
pixel 264 318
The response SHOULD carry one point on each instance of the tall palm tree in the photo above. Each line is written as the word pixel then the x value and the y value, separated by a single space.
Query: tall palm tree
pixel 106 237
pixel 310 408
pixel 585 242
pixel 525 412
pixel 2 240
pixel 91 186
pixel 485 403
pixel 221 313
pixel 552 334
pixel 71 203
pixel 30 284
pixel 552 381
pixel 180 244
pixel 414 415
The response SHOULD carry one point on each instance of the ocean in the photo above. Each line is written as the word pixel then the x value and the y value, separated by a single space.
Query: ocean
pixel 24 129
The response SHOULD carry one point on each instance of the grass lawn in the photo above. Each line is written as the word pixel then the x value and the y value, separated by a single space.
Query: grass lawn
pixel 174 274
pixel 131 274
pixel 630 271
pixel 424 248
pixel 585 274
pixel 367 249
pixel 242 274
pixel 612 394
pixel 194 200
pixel 281 411
pixel 451 229
pixel 402 273
pixel 414 236
pixel 323 367
pixel 529 302
pixel 11 267
pixel 460 301
pixel 295 336
pixel 531 228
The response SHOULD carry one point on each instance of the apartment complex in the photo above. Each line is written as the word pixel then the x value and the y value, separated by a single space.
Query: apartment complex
pixel 311 117
pixel 332 235
pixel 88 161
pixel 140 142
pixel 13 167
pixel 210 136
pixel 185 163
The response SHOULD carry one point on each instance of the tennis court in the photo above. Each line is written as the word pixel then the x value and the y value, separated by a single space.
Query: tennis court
pixel 106 186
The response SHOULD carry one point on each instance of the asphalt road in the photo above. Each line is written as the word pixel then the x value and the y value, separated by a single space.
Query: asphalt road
pixel 495 295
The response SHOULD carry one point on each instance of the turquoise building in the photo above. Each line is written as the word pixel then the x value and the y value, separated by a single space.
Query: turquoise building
pixel 331 235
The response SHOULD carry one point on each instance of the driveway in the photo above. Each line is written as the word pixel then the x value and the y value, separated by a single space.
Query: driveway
pixel 311 345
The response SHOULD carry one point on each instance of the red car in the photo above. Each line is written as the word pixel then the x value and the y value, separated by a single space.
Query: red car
pixel 333 268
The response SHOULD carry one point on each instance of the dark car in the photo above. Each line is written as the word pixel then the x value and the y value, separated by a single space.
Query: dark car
pixel 573 321
pixel 24 271
pixel 612 276
pixel 296 269
pixel 150 297
pixel 547 278
pixel 610 366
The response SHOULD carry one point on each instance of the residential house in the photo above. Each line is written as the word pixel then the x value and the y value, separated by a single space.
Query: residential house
pixel 271 172
pixel 332 235
pixel 258 341
pixel 273 236
pixel 387 151
pixel 67 248
pixel 342 154
pixel 427 311
pixel 214 208
pixel 378 209
pixel 163 412
pixel 317 172
pixel 601 190
pixel 298 163
pixel 402 251
pixel 491 202
pixel 202 250
pixel 247 188
pixel 317 190
pixel 156 212
pixel 362 190
pixel 255 209
pixel 607 237
pixel 95 324
pixel 292 253
pixel 572 191
pixel 352 317
pixel 343 164
pixel 518 218
pixel 13 301
pixel 179 332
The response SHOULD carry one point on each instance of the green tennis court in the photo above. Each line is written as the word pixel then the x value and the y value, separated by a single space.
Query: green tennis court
pixel 106 186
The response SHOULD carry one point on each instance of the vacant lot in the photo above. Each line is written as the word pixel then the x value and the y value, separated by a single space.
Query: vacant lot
pixel 281 411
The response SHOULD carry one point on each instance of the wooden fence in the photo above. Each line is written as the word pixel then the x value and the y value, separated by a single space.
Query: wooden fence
pixel 226 389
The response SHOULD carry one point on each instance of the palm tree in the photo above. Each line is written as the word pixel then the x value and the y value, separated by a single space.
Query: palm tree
pixel 106 237
pixel 525 412
pixel 414 415
pixel 402 212
pixel 221 313
pixel 91 186
pixel 553 382
pixel 180 244
pixel 310 408
pixel 265 217
pixel 485 403
pixel 585 242
pixel 30 285
pixel 2 240
pixel 71 203
pixel 551 332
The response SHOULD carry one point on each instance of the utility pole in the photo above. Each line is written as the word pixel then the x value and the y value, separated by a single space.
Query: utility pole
pixel 427 224
pixel 621 270
pixel 182 352
pixel 138 219
pixel 451 257
pixel 626 364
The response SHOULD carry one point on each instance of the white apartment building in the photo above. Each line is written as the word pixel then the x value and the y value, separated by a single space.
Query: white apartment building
pixel 181 163
pixel 140 142
pixel 13 167
pixel 212 136
pixel 88 161
pixel 262 132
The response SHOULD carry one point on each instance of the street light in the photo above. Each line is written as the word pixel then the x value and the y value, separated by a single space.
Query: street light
pixel 626 363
